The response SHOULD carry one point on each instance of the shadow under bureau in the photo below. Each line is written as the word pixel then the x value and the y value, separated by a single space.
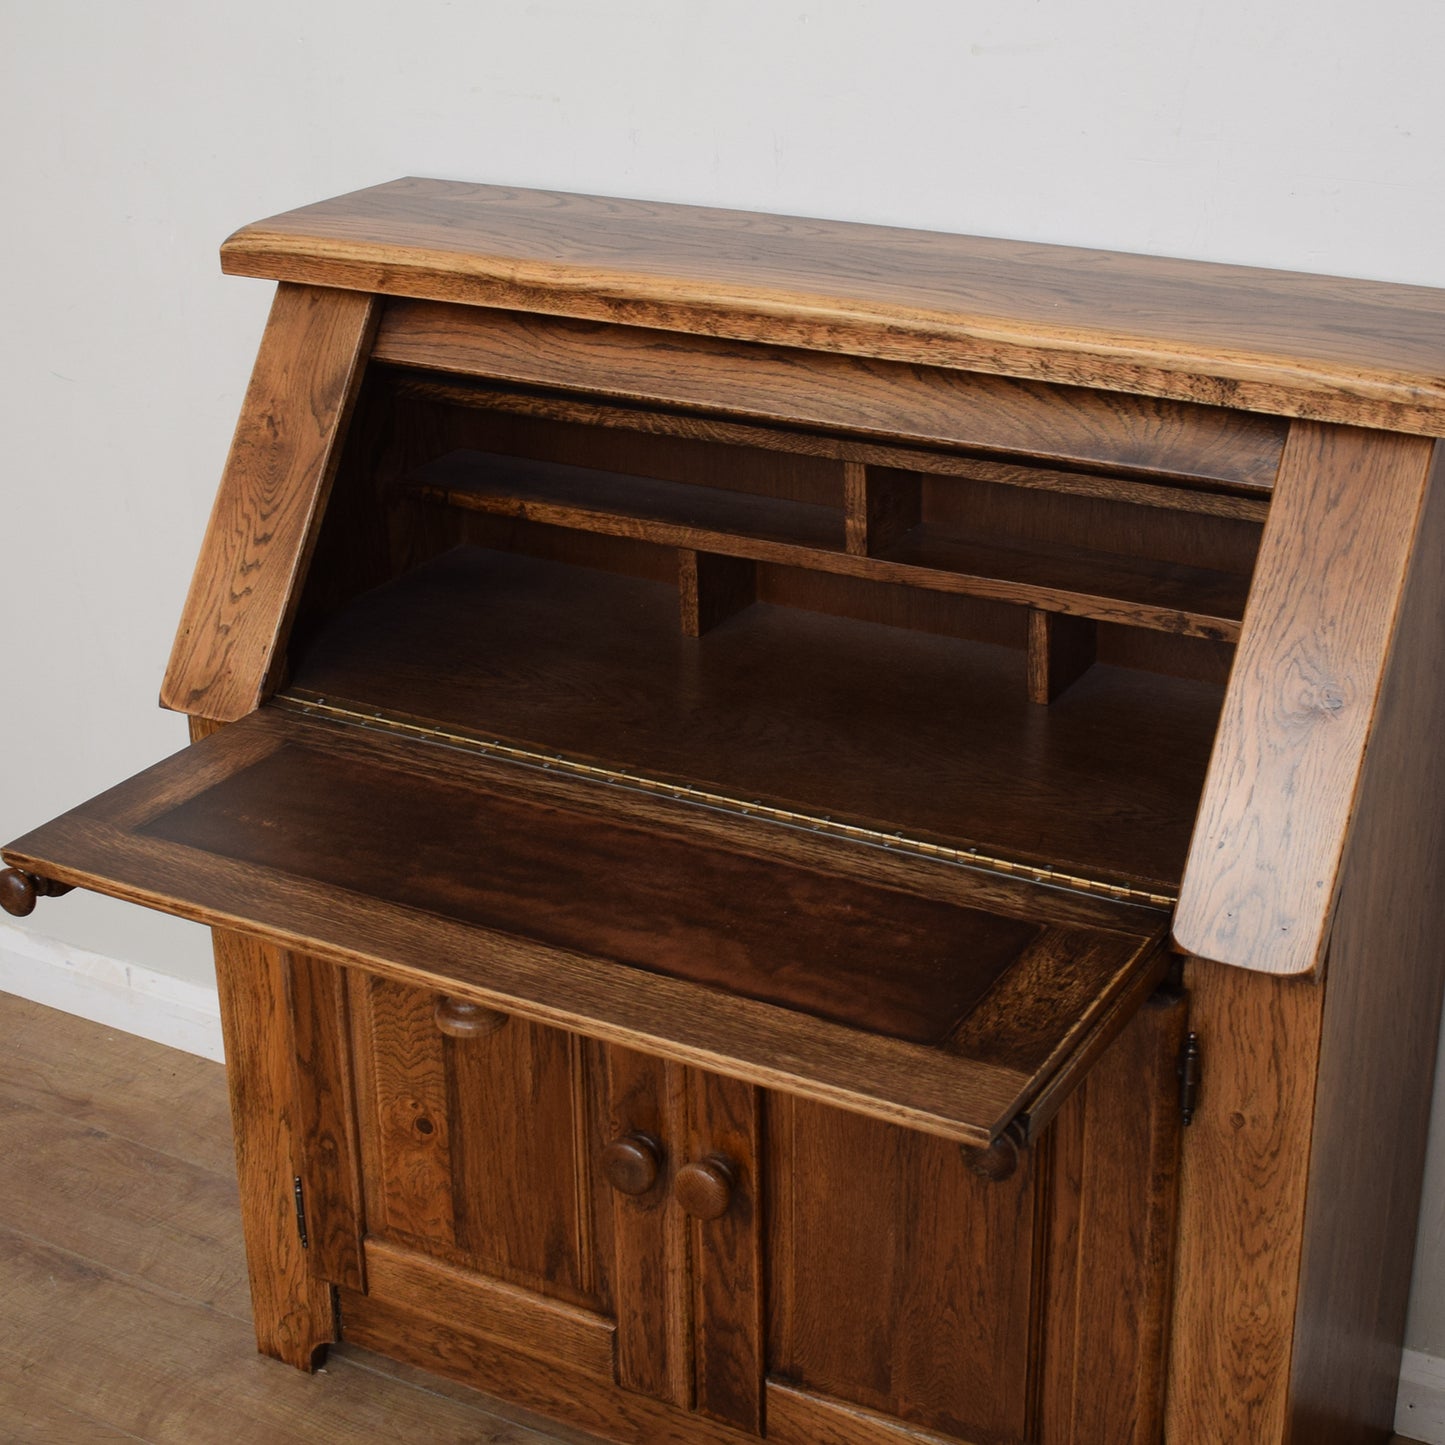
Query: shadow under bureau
pixel 815 831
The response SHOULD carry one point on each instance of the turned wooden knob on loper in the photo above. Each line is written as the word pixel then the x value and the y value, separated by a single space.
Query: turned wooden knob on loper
pixel 19 890
pixel 1000 1160
pixel 705 1189
pixel 459 1019
pixel 632 1163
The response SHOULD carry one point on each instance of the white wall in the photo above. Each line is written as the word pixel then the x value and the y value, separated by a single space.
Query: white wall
pixel 1298 133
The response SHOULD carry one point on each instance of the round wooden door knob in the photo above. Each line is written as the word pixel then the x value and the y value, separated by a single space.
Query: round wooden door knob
pixel 459 1019
pixel 632 1163
pixel 705 1189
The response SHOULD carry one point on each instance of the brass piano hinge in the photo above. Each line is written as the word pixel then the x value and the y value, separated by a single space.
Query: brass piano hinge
pixel 311 706
pixel 1189 1071
pixel 300 1196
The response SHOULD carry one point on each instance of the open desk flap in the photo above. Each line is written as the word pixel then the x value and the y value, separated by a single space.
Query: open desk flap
pixel 919 992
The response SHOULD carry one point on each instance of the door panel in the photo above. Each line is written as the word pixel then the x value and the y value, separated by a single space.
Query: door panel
pixel 1111 1230
pixel 901 1281
pixel 482 1143
pixel 905 1288
pixel 409 1179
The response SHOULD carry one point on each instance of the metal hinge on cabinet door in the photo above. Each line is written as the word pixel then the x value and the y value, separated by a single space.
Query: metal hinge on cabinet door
pixel 1189 1074
pixel 300 1213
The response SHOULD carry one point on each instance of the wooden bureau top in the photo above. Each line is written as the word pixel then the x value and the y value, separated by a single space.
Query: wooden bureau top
pixel 1364 353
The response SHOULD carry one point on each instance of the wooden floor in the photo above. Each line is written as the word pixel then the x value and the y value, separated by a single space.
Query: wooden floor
pixel 123 1306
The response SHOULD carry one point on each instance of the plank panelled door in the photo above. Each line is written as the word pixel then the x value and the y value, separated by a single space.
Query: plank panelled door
pixel 813 832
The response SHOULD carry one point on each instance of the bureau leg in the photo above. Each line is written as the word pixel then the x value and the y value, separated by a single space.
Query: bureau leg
pixel 295 1314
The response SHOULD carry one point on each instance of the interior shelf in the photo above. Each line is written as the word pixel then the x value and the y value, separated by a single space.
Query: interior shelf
pixel 675 513
pixel 892 729
pixel 1134 591
pixel 1164 596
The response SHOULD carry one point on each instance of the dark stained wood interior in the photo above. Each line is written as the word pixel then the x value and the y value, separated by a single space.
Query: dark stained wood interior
pixel 578 900
pixel 514 410
pixel 593 500
pixel 896 729
pixel 871 399
pixel 894 964
pixel 944 554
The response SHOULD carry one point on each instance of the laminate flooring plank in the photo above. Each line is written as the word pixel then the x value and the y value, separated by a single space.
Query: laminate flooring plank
pixel 26 1415
pixel 170 1101
pixel 123 1310
pixel 174 1372
pixel 548 1432
pixel 148 1216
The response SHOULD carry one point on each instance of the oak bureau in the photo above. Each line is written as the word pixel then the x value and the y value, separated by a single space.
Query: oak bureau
pixel 816 831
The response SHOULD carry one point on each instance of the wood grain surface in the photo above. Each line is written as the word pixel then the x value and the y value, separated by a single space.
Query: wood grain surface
pixel 1064 577
pixel 292 1307
pixel 1334 349
pixel 1112 1213
pixel 590 416
pixel 329 1156
pixel 576 1338
pixel 1243 1181
pixel 804 1417
pixel 1061 650
pixel 844 718
pixel 888 1230
pixel 586 498
pixel 439 927
pixel 711 588
pixel 882 400
pixel 650 1233
pixel 449 1348
pixel 409 1139
pixel 724 1117
pixel 233 630
pixel 515 1160
pixel 1264 864
pixel 1385 977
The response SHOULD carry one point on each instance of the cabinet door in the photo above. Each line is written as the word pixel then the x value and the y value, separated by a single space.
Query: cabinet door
pixel 477 1139
pixel 900 1280
pixel 474 1134
pixel 907 1293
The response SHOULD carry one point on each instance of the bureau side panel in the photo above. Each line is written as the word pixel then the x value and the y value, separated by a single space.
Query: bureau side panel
pixel 263 524
pixel 1264 865
pixel 1377 1054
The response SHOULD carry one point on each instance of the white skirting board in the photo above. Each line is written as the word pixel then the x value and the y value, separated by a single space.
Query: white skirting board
pixel 1420 1405
pixel 120 995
